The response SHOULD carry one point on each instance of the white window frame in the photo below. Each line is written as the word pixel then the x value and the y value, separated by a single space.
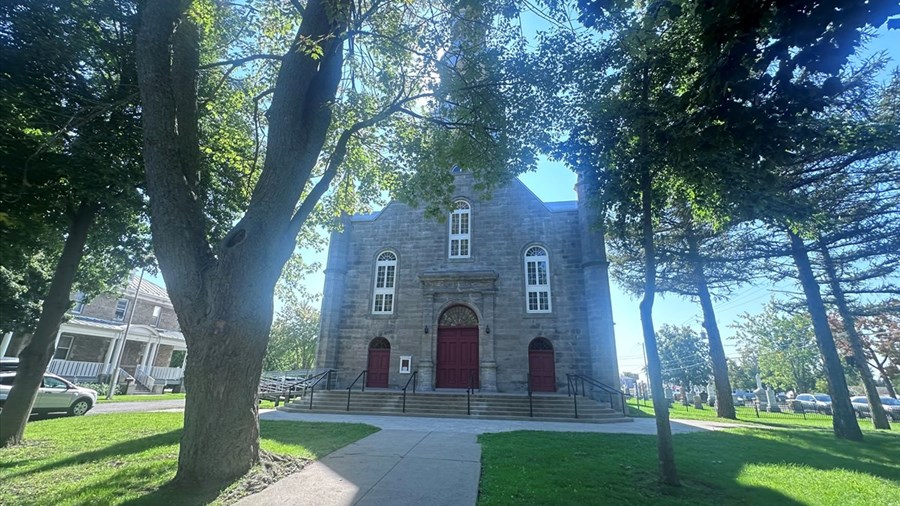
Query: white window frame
pixel 384 298
pixel 68 347
pixel 157 313
pixel 124 310
pixel 537 287
pixel 460 230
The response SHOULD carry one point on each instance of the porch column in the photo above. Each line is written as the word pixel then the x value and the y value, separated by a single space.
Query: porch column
pixel 107 361
pixel 56 343
pixel 146 354
pixel 5 344
pixel 117 354
pixel 154 351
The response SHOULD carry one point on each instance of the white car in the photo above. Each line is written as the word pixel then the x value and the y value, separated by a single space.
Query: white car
pixel 55 395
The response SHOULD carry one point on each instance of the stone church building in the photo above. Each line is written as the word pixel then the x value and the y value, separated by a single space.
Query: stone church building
pixel 505 290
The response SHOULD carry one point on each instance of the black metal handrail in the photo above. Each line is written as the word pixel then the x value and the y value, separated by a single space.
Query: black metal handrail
pixel 469 392
pixel 572 390
pixel 362 375
pixel 610 391
pixel 312 386
pixel 530 402
pixel 412 378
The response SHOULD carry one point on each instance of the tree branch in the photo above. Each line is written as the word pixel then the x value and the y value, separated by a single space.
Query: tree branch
pixel 237 62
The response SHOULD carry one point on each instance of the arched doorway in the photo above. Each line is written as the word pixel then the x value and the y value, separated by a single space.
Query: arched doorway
pixel 379 363
pixel 541 365
pixel 457 348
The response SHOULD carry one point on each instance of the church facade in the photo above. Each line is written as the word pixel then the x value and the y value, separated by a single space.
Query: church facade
pixel 507 293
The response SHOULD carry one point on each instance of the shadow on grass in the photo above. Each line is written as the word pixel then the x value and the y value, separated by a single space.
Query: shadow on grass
pixel 124 448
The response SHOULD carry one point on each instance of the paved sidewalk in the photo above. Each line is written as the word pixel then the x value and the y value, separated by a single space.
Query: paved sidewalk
pixel 396 467
pixel 415 460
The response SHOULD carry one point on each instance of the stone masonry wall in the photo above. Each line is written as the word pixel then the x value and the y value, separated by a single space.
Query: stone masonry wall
pixel 502 229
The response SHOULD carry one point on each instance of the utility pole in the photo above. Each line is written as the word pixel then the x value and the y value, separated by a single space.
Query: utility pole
pixel 114 378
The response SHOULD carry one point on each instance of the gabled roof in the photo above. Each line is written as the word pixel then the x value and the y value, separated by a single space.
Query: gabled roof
pixel 148 288
pixel 553 207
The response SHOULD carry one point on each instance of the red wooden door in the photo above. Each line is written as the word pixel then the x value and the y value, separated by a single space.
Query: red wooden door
pixel 457 357
pixel 379 366
pixel 542 369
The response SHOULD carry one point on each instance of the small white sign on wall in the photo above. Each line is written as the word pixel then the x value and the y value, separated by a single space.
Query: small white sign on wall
pixel 405 364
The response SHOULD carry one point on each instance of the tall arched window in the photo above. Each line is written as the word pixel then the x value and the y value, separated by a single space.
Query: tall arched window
pixel 460 230
pixel 537 280
pixel 385 280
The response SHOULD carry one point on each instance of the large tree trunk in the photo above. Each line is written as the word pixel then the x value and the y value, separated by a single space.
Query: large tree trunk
pixel 843 417
pixel 879 417
pixel 223 293
pixel 222 375
pixel 724 400
pixel 36 356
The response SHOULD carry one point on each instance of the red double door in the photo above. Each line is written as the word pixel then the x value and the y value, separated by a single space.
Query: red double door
pixel 457 357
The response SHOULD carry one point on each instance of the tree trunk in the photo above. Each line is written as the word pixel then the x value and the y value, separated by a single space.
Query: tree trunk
pixel 843 417
pixel 889 385
pixel 223 293
pixel 36 356
pixel 879 417
pixel 724 400
pixel 222 375
pixel 666 452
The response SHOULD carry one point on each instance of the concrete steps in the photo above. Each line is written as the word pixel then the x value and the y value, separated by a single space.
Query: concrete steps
pixel 546 407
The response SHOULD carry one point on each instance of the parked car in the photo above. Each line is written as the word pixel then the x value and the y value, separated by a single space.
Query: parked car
pixel 820 403
pixel 56 395
pixel 9 364
pixel 891 407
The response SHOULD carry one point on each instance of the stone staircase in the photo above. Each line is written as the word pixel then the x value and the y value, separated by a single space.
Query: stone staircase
pixel 546 407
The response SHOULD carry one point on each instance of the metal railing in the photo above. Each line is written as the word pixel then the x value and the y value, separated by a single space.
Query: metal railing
pixel 167 373
pixel 573 380
pixel 142 375
pixel 469 392
pixel 530 400
pixel 74 368
pixel 315 380
pixel 362 375
pixel 571 384
pixel 412 378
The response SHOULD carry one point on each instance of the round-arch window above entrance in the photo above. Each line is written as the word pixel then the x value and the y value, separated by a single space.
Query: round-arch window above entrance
pixel 458 316
pixel 540 343
pixel 379 343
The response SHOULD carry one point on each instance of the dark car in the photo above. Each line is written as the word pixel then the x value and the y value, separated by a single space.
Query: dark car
pixel 819 403
pixel 891 407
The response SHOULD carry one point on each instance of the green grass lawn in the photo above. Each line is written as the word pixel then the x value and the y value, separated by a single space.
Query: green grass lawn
pixel 128 457
pixel 746 415
pixel 737 466
pixel 141 398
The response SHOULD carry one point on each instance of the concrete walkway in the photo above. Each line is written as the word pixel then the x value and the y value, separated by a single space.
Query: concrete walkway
pixel 414 460
pixel 396 467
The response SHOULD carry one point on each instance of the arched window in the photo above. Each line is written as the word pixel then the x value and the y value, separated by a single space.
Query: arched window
pixel 460 230
pixel 385 280
pixel 458 316
pixel 379 343
pixel 537 280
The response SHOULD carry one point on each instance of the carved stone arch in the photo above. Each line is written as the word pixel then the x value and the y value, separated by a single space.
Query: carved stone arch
pixel 458 315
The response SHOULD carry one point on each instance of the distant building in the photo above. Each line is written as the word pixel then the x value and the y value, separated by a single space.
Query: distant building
pixel 87 344
pixel 506 291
